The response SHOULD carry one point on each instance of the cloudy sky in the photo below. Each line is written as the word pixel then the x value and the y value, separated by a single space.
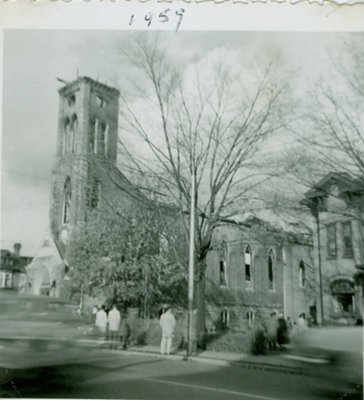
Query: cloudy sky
pixel 34 58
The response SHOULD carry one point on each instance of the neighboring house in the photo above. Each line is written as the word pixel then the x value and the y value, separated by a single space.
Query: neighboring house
pixel 254 269
pixel 337 202
pixel 12 269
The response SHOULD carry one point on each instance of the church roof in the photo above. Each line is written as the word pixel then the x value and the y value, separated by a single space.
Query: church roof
pixel 69 86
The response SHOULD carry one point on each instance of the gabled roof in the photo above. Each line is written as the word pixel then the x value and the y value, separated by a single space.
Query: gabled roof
pixel 49 249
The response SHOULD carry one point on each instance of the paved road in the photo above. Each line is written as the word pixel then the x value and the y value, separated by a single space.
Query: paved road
pixel 146 377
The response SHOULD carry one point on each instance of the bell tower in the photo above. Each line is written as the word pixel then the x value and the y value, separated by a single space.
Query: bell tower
pixel 87 134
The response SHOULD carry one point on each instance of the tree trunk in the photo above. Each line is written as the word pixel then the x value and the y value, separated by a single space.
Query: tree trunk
pixel 200 302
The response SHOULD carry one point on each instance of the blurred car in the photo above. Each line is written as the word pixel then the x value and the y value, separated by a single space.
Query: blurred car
pixel 41 331
pixel 331 357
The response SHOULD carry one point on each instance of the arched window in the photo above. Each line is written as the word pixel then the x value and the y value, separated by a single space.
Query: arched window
pixel 248 266
pixel 301 274
pixel 271 270
pixel 66 217
pixel 66 135
pixel 223 265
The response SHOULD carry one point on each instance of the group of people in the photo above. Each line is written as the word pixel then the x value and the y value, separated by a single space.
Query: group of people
pixel 110 325
pixel 280 330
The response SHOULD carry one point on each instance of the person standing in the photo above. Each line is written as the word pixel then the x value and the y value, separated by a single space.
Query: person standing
pixel 95 309
pixel 167 323
pixel 125 332
pixel 302 323
pixel 101 321
pixel 113 319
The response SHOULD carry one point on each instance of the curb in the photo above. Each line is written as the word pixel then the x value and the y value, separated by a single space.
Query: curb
pixel 214 361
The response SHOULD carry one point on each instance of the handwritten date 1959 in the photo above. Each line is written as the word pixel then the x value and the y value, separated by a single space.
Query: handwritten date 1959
pixel 163 17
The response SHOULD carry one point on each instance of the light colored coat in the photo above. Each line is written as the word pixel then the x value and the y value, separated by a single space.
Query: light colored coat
pixel 168 324
pixel 101 320
pixel 114 320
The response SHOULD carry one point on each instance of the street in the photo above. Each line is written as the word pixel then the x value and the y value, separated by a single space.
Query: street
pixel 125 376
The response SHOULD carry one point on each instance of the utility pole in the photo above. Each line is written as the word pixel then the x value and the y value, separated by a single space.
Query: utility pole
pixel 191 264
pixel 320 263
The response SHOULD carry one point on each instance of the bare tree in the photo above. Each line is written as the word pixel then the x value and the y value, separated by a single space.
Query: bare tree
pixel 205 119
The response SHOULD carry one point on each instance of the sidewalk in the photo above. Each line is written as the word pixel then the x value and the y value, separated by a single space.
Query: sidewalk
pixel 270 362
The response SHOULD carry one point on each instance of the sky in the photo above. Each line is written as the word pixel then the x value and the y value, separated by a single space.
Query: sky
pixel 32 61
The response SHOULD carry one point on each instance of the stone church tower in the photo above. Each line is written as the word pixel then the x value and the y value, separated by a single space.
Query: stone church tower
pixel 85 178
pixel 87 135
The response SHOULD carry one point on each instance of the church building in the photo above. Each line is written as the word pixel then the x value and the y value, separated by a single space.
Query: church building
pixel 248 273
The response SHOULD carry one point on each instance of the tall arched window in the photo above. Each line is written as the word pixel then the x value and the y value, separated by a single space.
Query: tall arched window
pixel 223 264
pixel 271 270
pixel 301 274
pixel 66 217
pixel 248 266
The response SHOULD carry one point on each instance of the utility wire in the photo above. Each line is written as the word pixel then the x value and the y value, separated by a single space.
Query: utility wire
pixel 27 175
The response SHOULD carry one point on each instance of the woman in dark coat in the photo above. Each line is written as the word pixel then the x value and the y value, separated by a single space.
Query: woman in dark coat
pixel 282 332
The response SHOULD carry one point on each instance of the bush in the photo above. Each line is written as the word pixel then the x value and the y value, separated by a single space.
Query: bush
pixel 141 339
pixel 227 342
pixel 258 344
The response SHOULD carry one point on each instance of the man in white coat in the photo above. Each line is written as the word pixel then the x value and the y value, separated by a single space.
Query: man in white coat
pixel 168 324
pixel 101 321
pixel 114 325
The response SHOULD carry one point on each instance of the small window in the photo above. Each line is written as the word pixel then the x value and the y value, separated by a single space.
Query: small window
pixel 223 265
pixel 100 101
pixel 71 100
pixel 94 191
pixel 331 241
pixel 225 318
pixel 347 239
pixel 248 266
pixel 302 274
pixel 271 270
